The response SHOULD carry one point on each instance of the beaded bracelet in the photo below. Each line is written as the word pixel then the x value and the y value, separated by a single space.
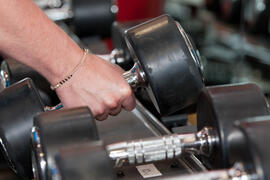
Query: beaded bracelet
pixel 60 83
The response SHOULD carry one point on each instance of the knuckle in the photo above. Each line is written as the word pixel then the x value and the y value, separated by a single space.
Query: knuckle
pixel 126 91
pixel 111 103
pixel 99 110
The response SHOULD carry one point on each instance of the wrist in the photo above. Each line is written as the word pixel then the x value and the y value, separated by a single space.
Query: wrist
pixel 58 67
pixel 72 73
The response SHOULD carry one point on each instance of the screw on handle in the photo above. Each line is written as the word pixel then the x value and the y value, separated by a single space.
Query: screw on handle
pixel 135 77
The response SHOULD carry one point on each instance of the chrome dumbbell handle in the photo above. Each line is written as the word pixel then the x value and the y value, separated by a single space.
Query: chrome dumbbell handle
pixel 161 148
pixel 115 57
pixel 48 3
pixel 135 77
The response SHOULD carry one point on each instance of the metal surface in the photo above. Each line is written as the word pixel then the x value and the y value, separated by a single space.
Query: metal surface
pixel 137 124
pixel 235 173
pixel 56 10
pixel 161 148
pixel 115 57
pixel 135 77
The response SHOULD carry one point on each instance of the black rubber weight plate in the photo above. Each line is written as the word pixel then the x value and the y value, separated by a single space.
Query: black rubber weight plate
pixel 61 128
pixel 221 106
pixel 19 104
pixel 172 72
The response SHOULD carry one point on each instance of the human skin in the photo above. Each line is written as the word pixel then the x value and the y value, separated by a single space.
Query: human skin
pixel 29 36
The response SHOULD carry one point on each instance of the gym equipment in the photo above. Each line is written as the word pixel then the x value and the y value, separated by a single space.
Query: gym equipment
pixel 52 130
pixel 120 54
pixel 218 108
pixel 250 153
pixel 13 71
pixel 19 103
pixel 119 43
pixel 88 16
pixel 166 64
pixel 221 106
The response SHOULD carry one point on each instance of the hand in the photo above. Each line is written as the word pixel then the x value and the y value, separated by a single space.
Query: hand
pixel 98 85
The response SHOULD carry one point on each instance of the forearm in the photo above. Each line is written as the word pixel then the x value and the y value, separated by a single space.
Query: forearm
pixel 27 34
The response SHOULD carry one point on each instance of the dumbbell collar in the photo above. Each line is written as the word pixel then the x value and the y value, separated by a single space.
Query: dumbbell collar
pixel 135 77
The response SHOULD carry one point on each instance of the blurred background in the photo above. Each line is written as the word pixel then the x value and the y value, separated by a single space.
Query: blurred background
pixel 231 35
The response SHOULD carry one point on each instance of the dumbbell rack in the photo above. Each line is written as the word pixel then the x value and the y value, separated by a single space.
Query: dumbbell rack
pixel 140 123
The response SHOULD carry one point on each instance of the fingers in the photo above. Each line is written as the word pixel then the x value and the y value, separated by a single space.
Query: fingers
pixel 128 102
pixel 103 90
pixel 116 111
pixel 101 117
pixel 111 105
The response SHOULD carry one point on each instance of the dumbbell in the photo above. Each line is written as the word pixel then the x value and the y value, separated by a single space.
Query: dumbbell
pixel 59 128
pixel 13 71
pixel 218 108
pixel 221 106
pixel 250 153
pixel 88 16
pixel 166 64
pixel 176 54
pixel 120 54
pixel 19 103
